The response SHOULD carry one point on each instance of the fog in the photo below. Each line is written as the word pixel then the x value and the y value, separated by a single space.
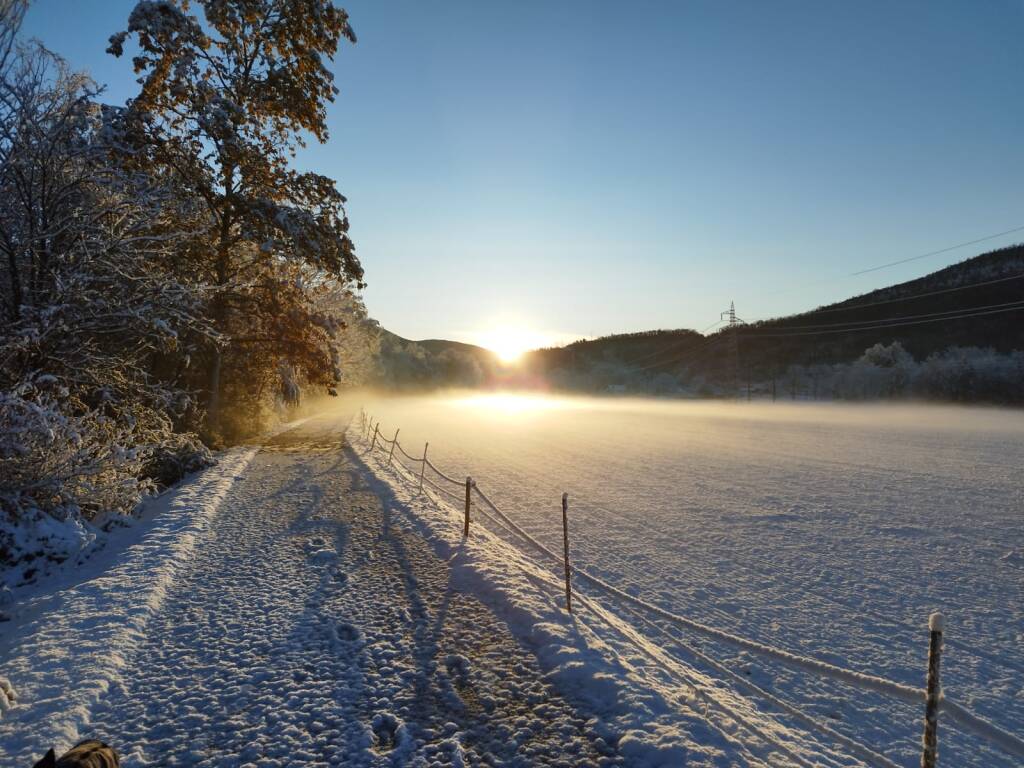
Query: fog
pixel 831 530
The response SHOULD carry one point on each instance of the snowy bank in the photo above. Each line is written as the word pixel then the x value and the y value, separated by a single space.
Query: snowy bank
pixel 60 660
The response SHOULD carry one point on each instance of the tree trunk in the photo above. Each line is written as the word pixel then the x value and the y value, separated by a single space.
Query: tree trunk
pixel 15 286
pixel 219 308
pixel 213 406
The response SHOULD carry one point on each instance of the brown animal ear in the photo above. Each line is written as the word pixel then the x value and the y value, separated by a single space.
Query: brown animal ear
pixel 49 760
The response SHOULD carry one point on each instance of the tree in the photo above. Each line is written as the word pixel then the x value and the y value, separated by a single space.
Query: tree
pixel 224 103
pixel 357 349
pixel 89 310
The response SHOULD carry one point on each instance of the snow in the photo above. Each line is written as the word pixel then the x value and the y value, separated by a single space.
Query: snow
pixel 747 582
pixel 310 622
pixel 829 531
pixel 39 532
pixel 610 672
pixel 66 649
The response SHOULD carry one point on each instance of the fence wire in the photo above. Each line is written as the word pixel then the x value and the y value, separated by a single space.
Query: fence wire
pixel 410 458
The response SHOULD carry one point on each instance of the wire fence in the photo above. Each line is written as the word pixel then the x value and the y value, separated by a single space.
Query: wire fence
pixel 931 695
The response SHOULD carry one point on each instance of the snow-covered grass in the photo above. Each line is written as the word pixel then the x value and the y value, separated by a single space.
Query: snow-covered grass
pixel 70 637
pixel 829 531
pixel 654 710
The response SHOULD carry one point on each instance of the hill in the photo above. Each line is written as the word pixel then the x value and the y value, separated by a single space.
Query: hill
pixel 432 363
pixel 976 303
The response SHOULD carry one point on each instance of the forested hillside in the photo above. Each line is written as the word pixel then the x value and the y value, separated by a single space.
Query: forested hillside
pixel 431 364
pixel 953 334
pixel 976 303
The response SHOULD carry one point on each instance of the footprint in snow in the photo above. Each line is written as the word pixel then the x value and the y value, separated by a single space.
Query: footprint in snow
pixel 388 731
pixel 1014 558
pixel 323 554
pixel 458 667
pixel 348 633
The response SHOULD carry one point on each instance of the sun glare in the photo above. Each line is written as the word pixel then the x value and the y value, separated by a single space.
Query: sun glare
pixel 509 343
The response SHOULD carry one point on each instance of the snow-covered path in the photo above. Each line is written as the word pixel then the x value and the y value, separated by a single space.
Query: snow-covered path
pixel 309 631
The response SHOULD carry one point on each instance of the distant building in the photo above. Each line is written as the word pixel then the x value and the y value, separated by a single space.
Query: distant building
pixel 616 389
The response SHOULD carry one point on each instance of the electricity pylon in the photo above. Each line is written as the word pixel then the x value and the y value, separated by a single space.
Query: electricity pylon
pixel 734 345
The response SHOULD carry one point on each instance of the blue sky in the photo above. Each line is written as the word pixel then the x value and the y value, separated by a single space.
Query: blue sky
pixel 587 168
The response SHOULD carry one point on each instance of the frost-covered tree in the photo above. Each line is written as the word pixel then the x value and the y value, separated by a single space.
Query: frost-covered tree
pixel 225 101
pixel 357 347
pixel 94 326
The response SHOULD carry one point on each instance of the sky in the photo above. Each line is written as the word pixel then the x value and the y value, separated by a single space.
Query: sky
pixel 558 170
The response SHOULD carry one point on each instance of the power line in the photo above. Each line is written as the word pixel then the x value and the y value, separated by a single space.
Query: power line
pixel 672 346
pixel 868 270
pixel 676 345
pixel 887 325
pixel 877 320
pixel 914 296
pixel 936 253
pixel 699 353
pixel 852 326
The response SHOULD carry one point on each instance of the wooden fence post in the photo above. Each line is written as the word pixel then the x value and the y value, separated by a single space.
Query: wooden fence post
pixel 930 743
pixel 423 468
pixel 565 542
pixel 465 525
pixel 375 430
pixel 393 444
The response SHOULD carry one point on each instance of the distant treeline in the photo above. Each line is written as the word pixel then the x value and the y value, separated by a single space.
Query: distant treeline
pixel 955 334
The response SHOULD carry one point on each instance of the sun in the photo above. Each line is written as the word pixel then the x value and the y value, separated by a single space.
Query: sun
pixel 510 342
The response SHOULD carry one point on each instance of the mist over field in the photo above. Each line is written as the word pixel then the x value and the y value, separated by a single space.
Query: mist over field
pixel 829 530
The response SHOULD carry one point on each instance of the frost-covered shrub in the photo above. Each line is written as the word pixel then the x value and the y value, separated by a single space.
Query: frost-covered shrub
pixel 887 371
pixel 71 465
pixel 973 374
pixel 61 468
pixel 35 539
pixel 174 458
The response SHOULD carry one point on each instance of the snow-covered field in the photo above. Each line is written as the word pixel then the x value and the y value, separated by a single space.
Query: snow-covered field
pixel 306 604
pixel 828 531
